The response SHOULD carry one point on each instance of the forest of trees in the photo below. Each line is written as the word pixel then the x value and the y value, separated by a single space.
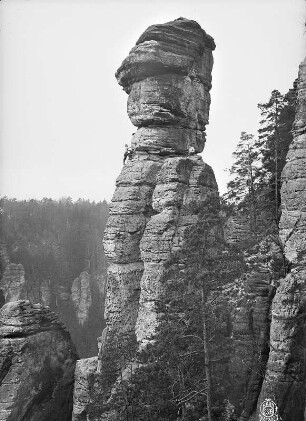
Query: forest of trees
pixel 56 241
pixel 254 188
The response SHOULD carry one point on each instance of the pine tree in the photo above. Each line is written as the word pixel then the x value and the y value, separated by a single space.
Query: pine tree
pixel 273 142
pixel 212 264
pixel 178 373
pixel 241 190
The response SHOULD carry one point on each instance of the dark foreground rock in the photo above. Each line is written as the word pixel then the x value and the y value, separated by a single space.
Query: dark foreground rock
pixel 85 375
pixel 37 362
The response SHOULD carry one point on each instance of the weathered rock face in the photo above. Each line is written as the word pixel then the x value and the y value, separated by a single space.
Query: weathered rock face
pixel 284 380
pixel 46 296
pixel 14 287
pixel 13 283
pixel 168 78
pixel 161 189
pixel 180 47
pixel 237 229
pixel 158 196
pixel 250 299
pixel 80 307
pixel 37 362
pixel 85 374
pixel 81 297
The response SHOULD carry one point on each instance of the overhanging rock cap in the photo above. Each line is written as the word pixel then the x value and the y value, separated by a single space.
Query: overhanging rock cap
pixel 182 31
pixel 178 47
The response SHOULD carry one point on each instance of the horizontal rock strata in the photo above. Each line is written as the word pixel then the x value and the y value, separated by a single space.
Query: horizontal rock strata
pixel 284 380
pixel 85 373
pixel 81 297
pixel 161 189
pixel 168 77
pixel 180 47
pixel 37 362
pixel 251 323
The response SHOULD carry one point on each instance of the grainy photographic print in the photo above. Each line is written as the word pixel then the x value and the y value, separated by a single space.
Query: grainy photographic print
pixel 153 210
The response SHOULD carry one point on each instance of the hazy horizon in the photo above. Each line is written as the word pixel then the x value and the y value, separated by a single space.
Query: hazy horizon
pixel 63 115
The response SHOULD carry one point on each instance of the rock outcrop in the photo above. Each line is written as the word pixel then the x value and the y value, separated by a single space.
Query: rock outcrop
pixel 168 77
pixel 37 362
pixel 46 295
pixel 81 307
pixel 250 298
pixel 284 380
pixel 158 198
pixel 237 229
pixel 81 297
pixel 161 189
pixel 84 311
pixel 85 374
pixel 13 284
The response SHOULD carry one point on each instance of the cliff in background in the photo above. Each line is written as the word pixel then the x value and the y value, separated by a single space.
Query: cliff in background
pixel 52 254
pixel 267 360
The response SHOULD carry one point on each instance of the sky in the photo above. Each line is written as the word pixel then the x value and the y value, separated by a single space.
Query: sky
pixel 63 117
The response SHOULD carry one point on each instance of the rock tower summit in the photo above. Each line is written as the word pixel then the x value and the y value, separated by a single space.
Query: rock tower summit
pixel 167 76
pixel 159 194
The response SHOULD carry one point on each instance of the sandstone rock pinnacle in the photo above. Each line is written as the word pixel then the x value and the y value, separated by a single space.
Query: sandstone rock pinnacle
pixel 162 188
pixel 159 191
pixel 168 78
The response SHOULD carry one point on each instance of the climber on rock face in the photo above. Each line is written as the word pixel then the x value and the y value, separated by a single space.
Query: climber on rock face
pixel 191 151
pixel 127 153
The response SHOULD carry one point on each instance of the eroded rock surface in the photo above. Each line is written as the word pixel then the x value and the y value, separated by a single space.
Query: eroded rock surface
pixel 81 297
pixel 158 195
pixel 37 362
pixel 284 380
pixel 13 283
pixel 162 188
pixel 237 229
pixel 168 78
pixel 85 373
pixel 251 297
pixel 46 295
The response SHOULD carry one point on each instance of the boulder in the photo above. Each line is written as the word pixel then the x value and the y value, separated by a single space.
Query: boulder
pixel 37 362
